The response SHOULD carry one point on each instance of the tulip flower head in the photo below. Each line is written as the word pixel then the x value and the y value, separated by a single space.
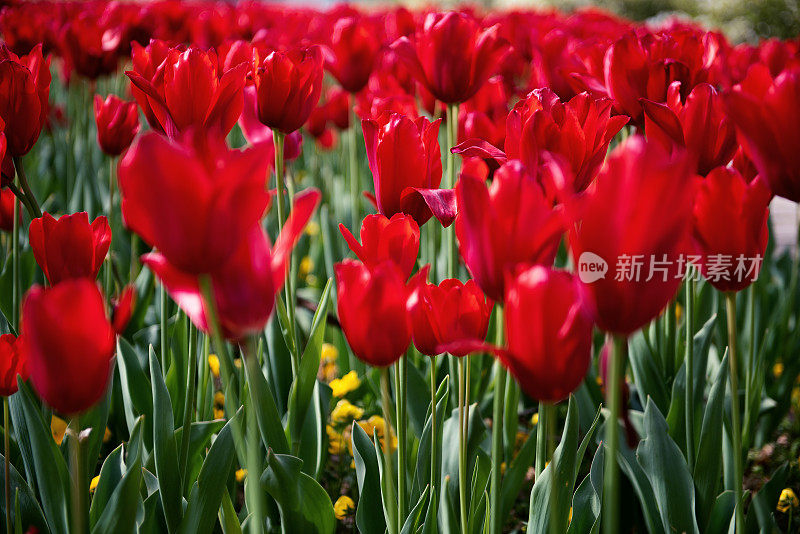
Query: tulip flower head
pixel 13 363
pixel 69 247
pixel 395 239
pixel 117 124
pixel 352 53
pixel 24 94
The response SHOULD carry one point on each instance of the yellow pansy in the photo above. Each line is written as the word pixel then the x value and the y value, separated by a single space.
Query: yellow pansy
pixel 343 507
pixel 58 427
pixel 336 443
pixel 344 412
pixel 219 405
pixel 787 500
pixel 241 474
pixel 346 384
pixel 213 364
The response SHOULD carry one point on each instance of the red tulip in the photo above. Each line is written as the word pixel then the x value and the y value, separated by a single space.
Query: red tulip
pixel 372 311
pixel 634 226
pixel 549 333
pixel 24 93
pixel 450 317
pixel 117 123
pixel 122 308
pixel 451 55
pixel 245 285
pixel 353 49
pixel 88 47
pixel 146 60
pixel 188 203
pixel 700 126
pixel 260 136
pixel 69 342
pixel 288 86
pixel 187 93
pixel 69 247
pixel 406 166
pixel 13 363
pixel 579 131
pixel 766 113
pixel 7 201
pixel 382 239
pixel 510 223
pixel 730 227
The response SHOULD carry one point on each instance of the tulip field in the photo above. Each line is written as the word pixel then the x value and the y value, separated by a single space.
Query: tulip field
pixel 407 270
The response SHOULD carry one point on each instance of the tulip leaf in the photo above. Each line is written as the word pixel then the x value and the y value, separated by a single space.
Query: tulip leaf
pixel 565 462
pixel 760 516
pixel 413 519
pixel 201 434
pixel 478 489
pixel 721 516
pixel 26 508
pixel 136 389
pixel 422 472
pixel 52 476
pixel 111 474
pixel 369 510
pixel 514 476
pixel 641 485
pixel 119 514
pixel 269 421
pixel 303 386
pixel 304 505
pixel 165 449
pixel 206 497
pixel 646 374
pixel 708 466
pixel 313 438
pixel 588 498
pixel 668 473
pixel 449 444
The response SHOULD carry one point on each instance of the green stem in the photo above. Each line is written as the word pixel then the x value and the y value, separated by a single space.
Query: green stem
pixel 210 308
pixel 433 427
pixel 736 434
pixel 672 331
pixel 15 297
pixel 555 523
pixel 162 297
pixel 254 497
pixel 78 479
pixel 110 216
pixel 541 440
pixel 462 444
pixel 614 403
pixel 497 429
pixel 6 454
pixel 352 166
pixel 188 408
pixel 749 390
pixel 689 397
pixel 389 483
pixel 26 188
pixel 451 136
pixel 401 389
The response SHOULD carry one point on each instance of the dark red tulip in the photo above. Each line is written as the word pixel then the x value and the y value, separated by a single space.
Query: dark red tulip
pixel 766 113
pixel 245 285
pixel 24 94
pixel 7 201
pixel 509 223
pixel 372 311
pixel 146 60
pixel 69 247
pixel 260 136
pixel 549 333
pixel 288 86
pixel 730 227
pixel 451 317
pixel 351 56
pixel 117 123
pixel 700 125
pixel 579 131
pixel 88 47
pixel 634 225
pixel 451 55
pixel 188 203
pixel 13 363
pixel 382 239
pixel 187 92
pixel 406 166
pixel 69 342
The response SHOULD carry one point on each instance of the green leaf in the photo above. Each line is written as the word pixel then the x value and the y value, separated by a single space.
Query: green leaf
pixel 476 439
pixel 708 467
pixel 119 515
pixel 542 506
pixel 721 516
pixel 369 511
pixel 52 476
pixel 588 498
pixel 303 386
pixel 422 472
pixel 641 485
pixel 760 516
pixel 111 474
pixel 227 516
pixel 26 508
pixel 304 505
pixel 164 448
pixel 413 519
pixel 136 389
pixel 207 492
pixel 201 434
pixel 646 373
pixel 269 421
pixel 668 473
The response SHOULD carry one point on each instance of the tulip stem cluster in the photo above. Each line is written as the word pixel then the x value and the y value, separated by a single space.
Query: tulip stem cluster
pixel 401 386
pixel 736 425
pixel 32 204
pixel 497 429
pixel 616 366
pixel 463 438
pixel 78 478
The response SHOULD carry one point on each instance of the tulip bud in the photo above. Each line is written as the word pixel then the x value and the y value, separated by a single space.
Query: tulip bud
pixel 395 239
pixel 117 123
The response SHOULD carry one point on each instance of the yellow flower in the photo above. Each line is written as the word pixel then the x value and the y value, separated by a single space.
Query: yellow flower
pixel 93 483
pixel 678 312
pixel 787 500
pixel 328 371
pixel 107 435
pixel 343 507
pixel 312 228
pixel 378 425
pixel 237 363
pixel 535 419
pixel 519 440
pixel 346 384
pixel 219 405
pixel 329 352
pixel 241 474
pixel 58 427
pixel 336 444
pixel 213 364
pixel 777 369
pixel 344 412
pixel 305 267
